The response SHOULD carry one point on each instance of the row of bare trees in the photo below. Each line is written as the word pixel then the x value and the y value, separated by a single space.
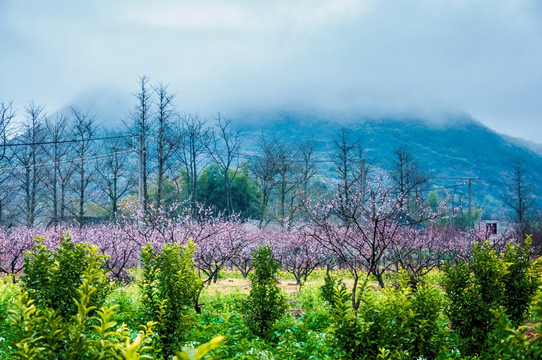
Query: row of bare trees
pixel 64 167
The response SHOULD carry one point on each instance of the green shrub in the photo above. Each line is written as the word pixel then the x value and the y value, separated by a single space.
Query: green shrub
pixel 169 287
pixel 330 287
pixel 474 289
pixel 8 292
pixel 390 324
pixel 53 277
pixel 265 303
pixel 89 333
pixel 517 344
pixel 520 281
pixel 43 333
pixel 347 329
pixel 483 285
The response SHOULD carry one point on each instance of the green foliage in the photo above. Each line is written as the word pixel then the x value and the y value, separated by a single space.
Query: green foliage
pixel 517 344
pixel 245 194
pixel 265 303
pixel 329 289
pixel 520 281
pixel 474 289
pixel 478 288
pixel 89 333
pixel 128 301
pixel 200 352
pixel 170 287
pixel 52 278
pixel 393 324
pixel 347 329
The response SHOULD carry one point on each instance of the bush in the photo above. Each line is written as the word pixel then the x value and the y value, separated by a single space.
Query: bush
pixel 265 303
pixel 517 344
pixel 392 324
pixel 169 287
pixel 474 289
pixel 90 332
pixel 483 285
pixel 329 289
pixel 520 281
pixel 52 278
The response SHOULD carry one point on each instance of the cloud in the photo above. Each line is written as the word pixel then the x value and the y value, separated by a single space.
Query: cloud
pixel 380 57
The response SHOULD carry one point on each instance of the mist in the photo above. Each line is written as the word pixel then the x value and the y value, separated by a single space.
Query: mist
pixel 425 58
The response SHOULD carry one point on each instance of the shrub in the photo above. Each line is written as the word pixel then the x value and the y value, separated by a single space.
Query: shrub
pixel 478 288
pixel 517 344
pixel 520 281
pixel 474 289
pixel 330 288
pixel 265 302
pixel 52 278
pixel 90 333
pixel 169 287
pixel 392 324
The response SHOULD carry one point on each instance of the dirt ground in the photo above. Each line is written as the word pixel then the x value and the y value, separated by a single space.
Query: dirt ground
pixel 226 286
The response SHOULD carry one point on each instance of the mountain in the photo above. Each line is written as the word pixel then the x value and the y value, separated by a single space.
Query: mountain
pixel 452 147
pixel 533 146
pixel 451 150
pixel 110 105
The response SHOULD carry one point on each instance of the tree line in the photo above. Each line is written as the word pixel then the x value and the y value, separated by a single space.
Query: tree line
pixel 64 168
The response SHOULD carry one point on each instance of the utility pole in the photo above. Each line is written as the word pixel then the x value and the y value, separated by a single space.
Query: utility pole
pixel 141 195
pixel 470 206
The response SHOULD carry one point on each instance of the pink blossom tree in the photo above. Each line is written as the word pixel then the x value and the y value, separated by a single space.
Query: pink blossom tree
pixel 361 230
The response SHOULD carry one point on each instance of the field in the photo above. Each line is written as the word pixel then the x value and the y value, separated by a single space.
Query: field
pixel 396 322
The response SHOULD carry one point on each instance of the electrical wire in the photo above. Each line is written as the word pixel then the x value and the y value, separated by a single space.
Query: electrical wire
pixel 70 161
pixel 66 141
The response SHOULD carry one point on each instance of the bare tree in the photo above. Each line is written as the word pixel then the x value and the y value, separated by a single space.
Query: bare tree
pixel 7 113
pixel 350 167
pixel 115 177
pixel 84 131
pixel 408 180
pixel 167 138
pixel 264 168
pixel 520 192
pixel 224 150
pixel 142 124
pixel 28 158
pixel 305 170
pixel 194 142
pixel 57 174
pixel 285 157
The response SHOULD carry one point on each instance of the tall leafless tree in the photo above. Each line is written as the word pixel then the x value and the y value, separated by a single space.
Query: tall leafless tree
pixel 84 131
pixel 28 158
pixel 285 156
pixel 349 165
pixel 142 118
pixel 194 141
pixel 520 191
pixel 58 172
pixel 264 168
pixel 409 181
pixel 7 113
pixel 167 139
pixel 115 175
pixel 224 150
pixel 305 170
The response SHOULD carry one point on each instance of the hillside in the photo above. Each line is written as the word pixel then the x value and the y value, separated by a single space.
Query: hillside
pixel 450 150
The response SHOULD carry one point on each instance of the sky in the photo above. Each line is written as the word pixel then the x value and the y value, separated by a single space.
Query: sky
pixel 426 58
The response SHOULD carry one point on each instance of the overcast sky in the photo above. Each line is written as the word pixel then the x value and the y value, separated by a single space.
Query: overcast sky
pixel 380 57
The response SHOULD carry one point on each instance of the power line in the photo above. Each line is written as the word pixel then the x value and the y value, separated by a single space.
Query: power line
pixel 70 161
pixel 66 141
